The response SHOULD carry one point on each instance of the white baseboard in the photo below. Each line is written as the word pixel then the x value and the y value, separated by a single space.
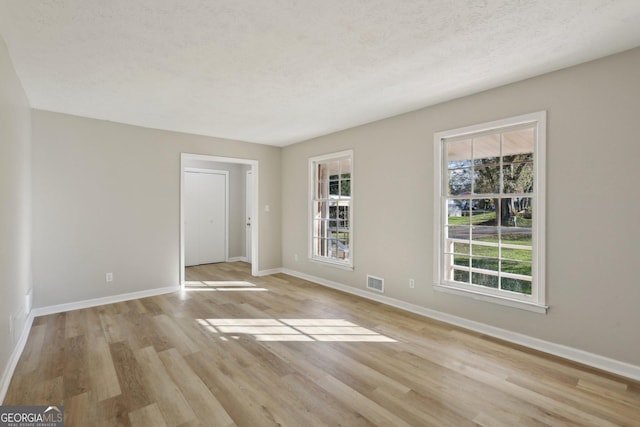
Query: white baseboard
pixel 238 258
pixel 60 308
pixel 15 356
pixel 42 311
pixel 595 360
pixel 269 272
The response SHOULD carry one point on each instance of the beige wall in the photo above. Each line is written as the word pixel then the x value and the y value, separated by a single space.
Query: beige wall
pixel 15 204
pixel 106 198
pixel 593 251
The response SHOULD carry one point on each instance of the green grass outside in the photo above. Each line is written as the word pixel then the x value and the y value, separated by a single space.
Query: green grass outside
pixel 340 235
pixel 515 261
pixel 494 264
pixel 509 238
pixel 493 252
pixel 485 218
pixel 505 283
pixel 475 219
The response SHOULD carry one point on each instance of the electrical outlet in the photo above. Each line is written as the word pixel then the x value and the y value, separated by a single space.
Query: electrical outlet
pixel 295 257
pixel 412 283
pixel 109 277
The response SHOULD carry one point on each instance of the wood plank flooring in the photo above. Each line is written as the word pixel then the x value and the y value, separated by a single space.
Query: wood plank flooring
pixel 235 350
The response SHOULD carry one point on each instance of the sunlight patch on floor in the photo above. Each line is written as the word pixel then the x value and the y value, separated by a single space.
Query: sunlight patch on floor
pixel 323 330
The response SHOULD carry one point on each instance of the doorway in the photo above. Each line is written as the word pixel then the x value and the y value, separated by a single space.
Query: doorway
pixel 242 234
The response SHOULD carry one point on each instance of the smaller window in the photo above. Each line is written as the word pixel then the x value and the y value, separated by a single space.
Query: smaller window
pixel 331 213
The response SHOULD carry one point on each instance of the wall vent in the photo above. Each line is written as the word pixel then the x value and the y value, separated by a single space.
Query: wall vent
pixel 375 283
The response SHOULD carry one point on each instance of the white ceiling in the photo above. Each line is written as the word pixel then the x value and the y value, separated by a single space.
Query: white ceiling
pixel 281 71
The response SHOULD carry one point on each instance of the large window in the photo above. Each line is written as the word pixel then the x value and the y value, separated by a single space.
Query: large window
pixel 331 182
pixel 490 211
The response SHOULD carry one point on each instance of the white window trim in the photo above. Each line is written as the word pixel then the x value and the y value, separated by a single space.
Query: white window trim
pixel 326 261
pixel 537 301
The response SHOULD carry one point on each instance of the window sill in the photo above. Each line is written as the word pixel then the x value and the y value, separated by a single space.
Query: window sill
pixel 524 305
pixel 328 263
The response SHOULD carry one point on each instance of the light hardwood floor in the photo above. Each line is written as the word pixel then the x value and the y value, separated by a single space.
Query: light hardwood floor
pixel 235 350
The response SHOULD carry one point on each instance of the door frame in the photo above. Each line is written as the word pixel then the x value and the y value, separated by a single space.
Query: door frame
pixel 226 201
pixel 255 228
pixel 247 239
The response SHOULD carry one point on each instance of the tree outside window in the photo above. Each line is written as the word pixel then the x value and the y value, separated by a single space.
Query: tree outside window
pixel 331 212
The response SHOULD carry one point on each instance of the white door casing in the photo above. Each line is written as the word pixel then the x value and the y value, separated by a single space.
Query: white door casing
pixel 248 213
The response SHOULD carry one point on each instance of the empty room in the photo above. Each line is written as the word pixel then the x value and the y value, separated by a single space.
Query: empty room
pixel 309 213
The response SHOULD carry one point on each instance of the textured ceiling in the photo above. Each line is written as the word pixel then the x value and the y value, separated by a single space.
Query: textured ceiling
pixel 281 71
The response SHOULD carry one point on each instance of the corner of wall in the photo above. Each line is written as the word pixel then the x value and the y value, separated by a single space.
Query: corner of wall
pixel 15 223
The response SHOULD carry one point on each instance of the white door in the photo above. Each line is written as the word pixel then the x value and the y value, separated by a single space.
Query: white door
pixel 191 219
pixel 205 218
pixel 213 233
pixel 248 213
